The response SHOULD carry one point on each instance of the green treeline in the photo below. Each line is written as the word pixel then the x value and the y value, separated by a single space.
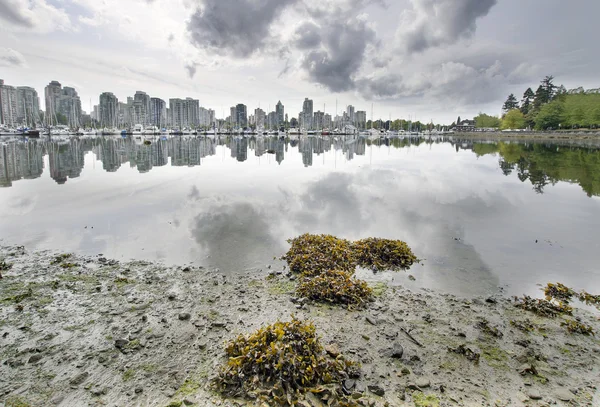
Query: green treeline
pixel 550 107
pixel 543 165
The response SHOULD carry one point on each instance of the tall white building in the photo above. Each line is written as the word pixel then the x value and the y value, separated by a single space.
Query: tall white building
pixel 108 110
pixel 158 112
pixel 141 108
pixel 8 104
pixel 28 106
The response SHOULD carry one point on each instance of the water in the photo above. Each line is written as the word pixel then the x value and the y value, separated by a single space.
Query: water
pixel 472 210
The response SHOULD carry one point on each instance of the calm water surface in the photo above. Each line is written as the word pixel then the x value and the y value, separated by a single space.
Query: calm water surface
pixel 483 214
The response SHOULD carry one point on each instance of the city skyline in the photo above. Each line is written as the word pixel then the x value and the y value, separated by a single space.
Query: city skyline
pixel 431 59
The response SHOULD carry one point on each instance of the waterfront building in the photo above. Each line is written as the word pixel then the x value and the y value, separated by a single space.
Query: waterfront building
pixel 306 117
pixel 28 106
pixel 259 118
pixel 62 101
pixel 141 108
pixel 8 104
pixel 108 110
pixel 158 112
pixel 280 111
pixel 361 119
pixel 241 115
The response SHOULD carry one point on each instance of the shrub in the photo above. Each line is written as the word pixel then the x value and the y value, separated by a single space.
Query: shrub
pixel 338 287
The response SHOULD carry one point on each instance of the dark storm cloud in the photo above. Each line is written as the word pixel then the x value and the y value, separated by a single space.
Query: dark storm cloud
pixel 10 11
pixel 307 36
pixel 440 22
pixel 234 27
pixel 340 54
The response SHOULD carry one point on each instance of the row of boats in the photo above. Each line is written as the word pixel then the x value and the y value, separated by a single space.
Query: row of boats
pixel 139 130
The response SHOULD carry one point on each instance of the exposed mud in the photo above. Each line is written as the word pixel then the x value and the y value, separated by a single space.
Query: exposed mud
pixel 89 331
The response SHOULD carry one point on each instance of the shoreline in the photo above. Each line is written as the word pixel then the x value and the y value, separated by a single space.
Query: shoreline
pixel 546 136
pixel 95 331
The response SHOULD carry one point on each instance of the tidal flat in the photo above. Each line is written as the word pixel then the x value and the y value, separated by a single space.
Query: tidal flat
pixel 91 331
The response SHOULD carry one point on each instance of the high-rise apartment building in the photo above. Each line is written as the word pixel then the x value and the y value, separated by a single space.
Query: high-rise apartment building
pixel 259 118
pixel 279 110
pixel 361 119
pixel 141 108
pixel 350 114
pixel 307 114
pixel 62 101
pixel 158 112
pixel 28 106
pixel 8 104
pixel 108 110
pixel 241 115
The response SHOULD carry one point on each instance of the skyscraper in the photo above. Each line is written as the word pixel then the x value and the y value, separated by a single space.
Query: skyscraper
pixel 279 110
pixel 8 104
pixel 241 115
pixel 141 108
pixel 307 114
pixel 361 119
pixel 158 112
pixel 62 101
pixel 350 113
pixel 259 118
pixel 108 110
pixel 28 106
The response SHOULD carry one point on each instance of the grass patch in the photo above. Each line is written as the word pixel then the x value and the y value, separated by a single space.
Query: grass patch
pixel 495 356
pixel 17 401
pixel 123 281
pixel 128 375
pixel 281 287
pixel 379 289
pixel 422 400
pixel 61 258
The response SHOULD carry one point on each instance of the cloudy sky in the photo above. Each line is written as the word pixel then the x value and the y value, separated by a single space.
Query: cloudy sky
pixel 429 59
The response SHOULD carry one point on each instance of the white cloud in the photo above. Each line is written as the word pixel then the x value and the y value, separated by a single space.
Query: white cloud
pixel 34 16
pixel 9 57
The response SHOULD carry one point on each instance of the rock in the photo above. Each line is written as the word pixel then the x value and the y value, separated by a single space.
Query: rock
pixel 56 400
pixel 423 382
pixel 184 316
pixel 371 320
pixel 121 343
pixel 219 324
pixel 534 394
pixel 412 386
pixel 377 390
pixel 332 350
pixel 563 395
pixel 405 371
pixel 397 350
pixel 138 390
pixel 80 378
pixel 349 384
pixel 491 300
pixel 188 402
pixel 35 358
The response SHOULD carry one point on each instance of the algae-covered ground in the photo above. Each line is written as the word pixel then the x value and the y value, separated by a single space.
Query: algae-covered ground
pixel 90 331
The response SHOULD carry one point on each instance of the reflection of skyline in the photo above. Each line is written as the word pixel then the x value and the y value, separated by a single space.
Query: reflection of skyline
pixel 25 160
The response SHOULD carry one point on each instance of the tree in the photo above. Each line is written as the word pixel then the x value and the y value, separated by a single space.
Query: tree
pixel 561 93
pixel 550 116
pixel 510 104
pixel 458 122
pixel 486 121
pixel 549 87
pixel 528 97
pixel 61 119
pixel 540 98
pixel 514 119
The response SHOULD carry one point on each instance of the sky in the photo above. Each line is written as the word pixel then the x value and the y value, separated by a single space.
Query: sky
pixel 429 60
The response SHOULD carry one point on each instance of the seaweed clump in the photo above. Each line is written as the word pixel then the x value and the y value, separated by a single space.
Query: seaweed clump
pixel 543 308
pixel 383 254
pixel 576 327
pixel 312 255
pixel 280 363
pixel 466 352
pixel 559 292
pixel 337 287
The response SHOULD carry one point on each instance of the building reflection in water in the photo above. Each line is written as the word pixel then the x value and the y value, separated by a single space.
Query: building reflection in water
pixel 21 159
